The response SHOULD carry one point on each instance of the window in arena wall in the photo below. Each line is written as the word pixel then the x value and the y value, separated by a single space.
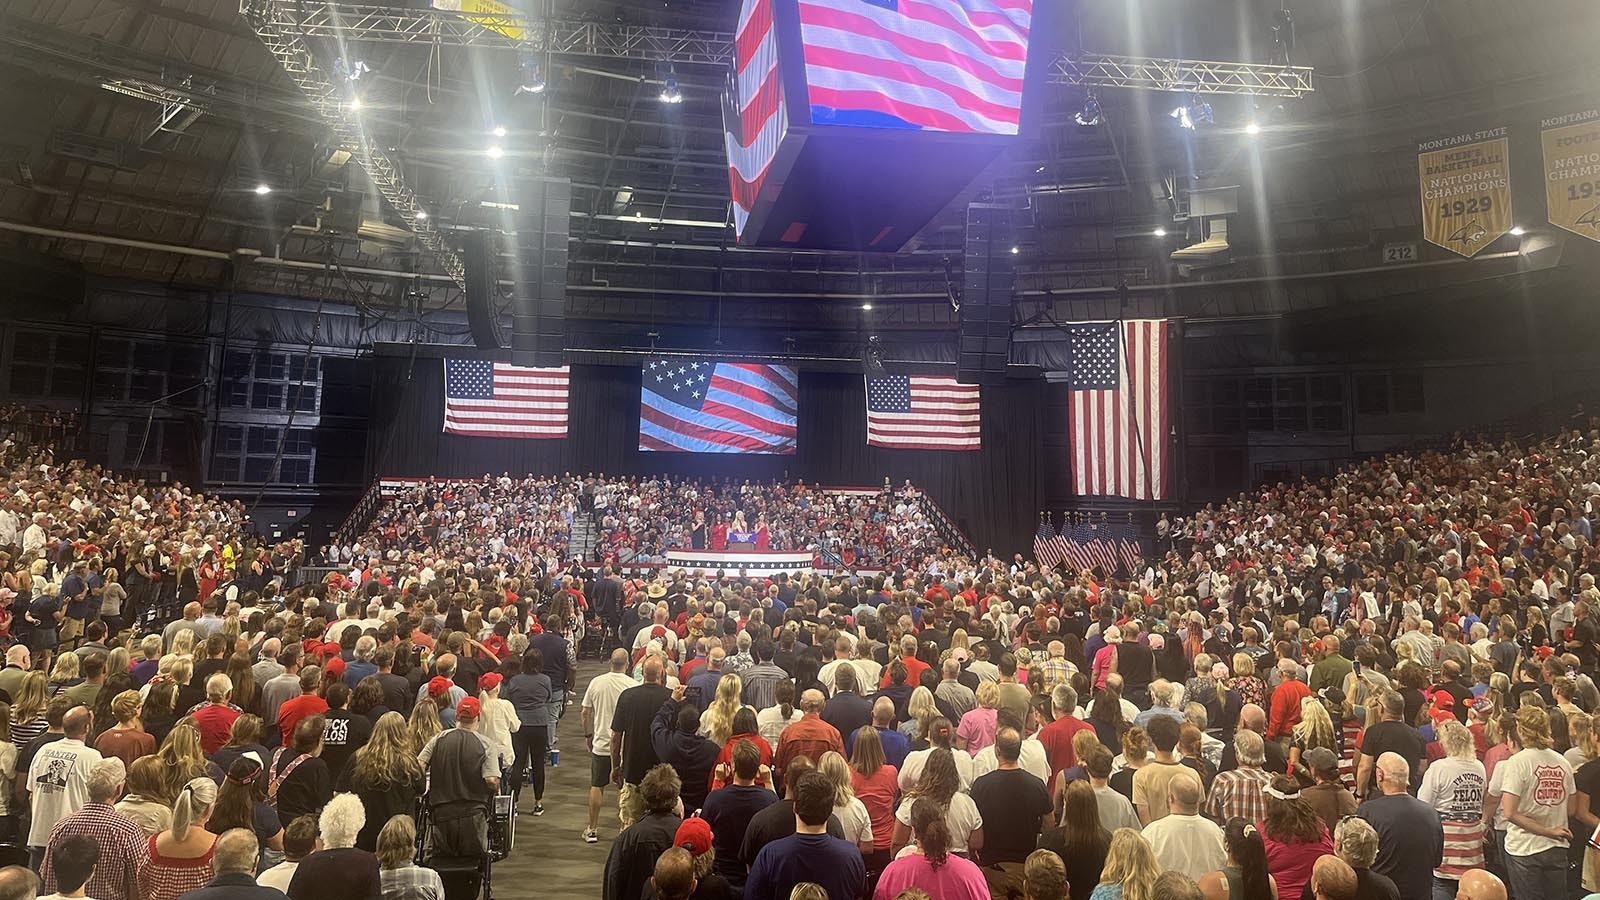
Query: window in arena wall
pixel 1397 392
pixel 47 365
pixel 271 381
pixel 245 453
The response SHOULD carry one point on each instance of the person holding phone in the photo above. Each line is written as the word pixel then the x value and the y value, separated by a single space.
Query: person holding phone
pixel 675 734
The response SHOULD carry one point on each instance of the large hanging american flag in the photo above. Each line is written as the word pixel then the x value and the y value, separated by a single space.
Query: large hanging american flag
pixel 940 65
pixel 492 399
pixel 922 412
pixel 1114 549
pixel 705 406
pixel 1117 417
pixel 754 117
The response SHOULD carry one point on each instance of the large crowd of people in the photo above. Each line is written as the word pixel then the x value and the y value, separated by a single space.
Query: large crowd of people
pixel 1377 685
pixel 504 521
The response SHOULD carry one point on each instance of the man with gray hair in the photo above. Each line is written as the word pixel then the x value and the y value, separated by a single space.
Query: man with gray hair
pixel 122 842
pixel 1164 696
pixel 1241 792
pixel 1410 834
pixel 362 666
pixel 951 694
pixel 1057 736
pixel 1357 844
pixel 1284 713
pixel 233 862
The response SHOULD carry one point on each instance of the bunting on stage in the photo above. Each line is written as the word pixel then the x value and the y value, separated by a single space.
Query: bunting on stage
pixel 697 405
pixel 493 399
pixel 1117 415
pixel 1466 190
pixel 1572 172
pixel 922 412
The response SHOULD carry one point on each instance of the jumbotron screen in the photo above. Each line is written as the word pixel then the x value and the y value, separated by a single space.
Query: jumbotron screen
pixel 930 65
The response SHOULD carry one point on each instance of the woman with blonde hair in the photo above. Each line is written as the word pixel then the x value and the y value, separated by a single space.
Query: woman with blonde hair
pixel 27 711
pixel 977 726
pixel 921 710
pixel 64 674
pixel 179 858
pixel 1131 869
pixel 1315 729
pixel 1580 730
pixel 397 868
pixel 385 774
pixel 147 801
pixel 717 723
pixel 182 756
pixel 1249 685
pixel 851 811
pixel 873 781
pixel 1135 755
pixel 498 721
pixel 424 724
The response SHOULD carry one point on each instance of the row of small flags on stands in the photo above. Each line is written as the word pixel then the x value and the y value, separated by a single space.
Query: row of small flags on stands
pixel 1083 543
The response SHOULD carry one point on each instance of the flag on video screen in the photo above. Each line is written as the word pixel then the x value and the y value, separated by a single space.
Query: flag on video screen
pixel 492 399
pixel 922 412
pixel 1118 411
pixel 940 65
pixel 754 117
pixel 705 406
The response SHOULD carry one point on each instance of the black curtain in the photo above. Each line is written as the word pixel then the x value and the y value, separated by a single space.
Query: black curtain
pixel 991 494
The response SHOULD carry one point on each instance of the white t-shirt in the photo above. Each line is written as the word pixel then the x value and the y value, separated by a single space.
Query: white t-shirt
pixel 278 876
pixel 1188 844
pixel 58 781
pixel 601 697
pixel 911 772
pixel 962 817
pixel 771 723
pixel 1455 788
pixel 62 897
pixel 1542 781
pixel 1032 760
pixel 857 824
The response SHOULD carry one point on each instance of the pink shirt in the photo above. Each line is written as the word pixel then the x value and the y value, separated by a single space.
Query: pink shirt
pixel 977 729
pixel 956 879
pixel 1291 864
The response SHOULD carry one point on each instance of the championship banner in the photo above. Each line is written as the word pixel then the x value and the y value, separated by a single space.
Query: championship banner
pixel 1466 190
pixel 1572 172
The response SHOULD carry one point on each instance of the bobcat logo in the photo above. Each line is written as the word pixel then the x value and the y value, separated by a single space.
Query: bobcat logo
pixel 1590 218
pixel 1470 233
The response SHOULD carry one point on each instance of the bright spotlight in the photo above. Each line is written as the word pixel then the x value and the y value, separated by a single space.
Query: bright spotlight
pixel 350 69
pixel 670 92
pixel 499 131
pixel 532 78
pixel 1159 232
pixel 1518 231
pixel 1015 250
pixel 1192 113
pixel 1253 128
pixel 355 104
pixel 867 307
pixel 422 214
pixel 263 189
pixel 495 151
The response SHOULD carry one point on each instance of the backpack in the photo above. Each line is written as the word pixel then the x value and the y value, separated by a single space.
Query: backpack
pixel 278 778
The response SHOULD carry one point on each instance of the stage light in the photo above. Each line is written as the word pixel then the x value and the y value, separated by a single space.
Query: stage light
pixel 867 307
pixel 499 131
pixel 495 151
pixel 1518 231
pixel 422 214
pixel 263 189
pixel 1253 128
pixel 532 78
pixel 1015 250
pixel 1192 113
pixel 670 92
pixel 350 69
pixel 1159 232
pixel 1090 115
pixel 355 104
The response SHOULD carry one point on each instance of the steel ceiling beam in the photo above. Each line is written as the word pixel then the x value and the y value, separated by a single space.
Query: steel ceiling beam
pixel 346 21
pixel 274 24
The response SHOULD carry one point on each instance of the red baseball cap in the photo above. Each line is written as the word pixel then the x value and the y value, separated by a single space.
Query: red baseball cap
pixel 438 686
pixel 469 708
pixel 694 835
pixel 489 681
pixel 335 666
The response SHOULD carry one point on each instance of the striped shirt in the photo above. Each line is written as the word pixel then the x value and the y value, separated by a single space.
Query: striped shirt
pixel 1455 787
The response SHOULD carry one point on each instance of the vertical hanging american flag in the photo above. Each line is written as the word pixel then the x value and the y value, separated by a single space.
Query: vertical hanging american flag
pixel 1087 545
pixel 705 406
pixel 492 399
pixel 1046 551
pixel 923 412
pixel 754 118
pixel 939 65
pixel 1117 416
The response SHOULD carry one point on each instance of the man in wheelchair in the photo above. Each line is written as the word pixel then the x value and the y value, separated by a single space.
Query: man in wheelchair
pixel 463 774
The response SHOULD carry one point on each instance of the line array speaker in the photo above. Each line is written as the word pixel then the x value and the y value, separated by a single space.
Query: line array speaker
pixel 988 273
pixel 538 313
pixel 482 281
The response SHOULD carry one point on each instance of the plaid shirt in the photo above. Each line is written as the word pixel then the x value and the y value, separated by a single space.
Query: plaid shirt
pixel 412 882
pixel 122 850
pixel 1056 671
pixel 1239 793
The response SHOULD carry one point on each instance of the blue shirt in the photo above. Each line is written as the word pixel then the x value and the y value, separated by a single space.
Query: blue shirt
pixel 834 864
pixel 75 591
pixel 896 745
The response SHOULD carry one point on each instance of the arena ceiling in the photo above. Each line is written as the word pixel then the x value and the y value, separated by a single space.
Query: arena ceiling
pixel 98 167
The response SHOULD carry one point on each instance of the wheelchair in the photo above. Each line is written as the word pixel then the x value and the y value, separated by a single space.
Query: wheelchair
pixel 469 877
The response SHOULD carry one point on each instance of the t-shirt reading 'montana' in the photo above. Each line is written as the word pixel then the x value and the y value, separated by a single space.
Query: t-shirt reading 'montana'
pixel 1542 781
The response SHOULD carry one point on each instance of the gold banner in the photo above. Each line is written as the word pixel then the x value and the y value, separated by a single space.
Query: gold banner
pixel 1466 190
pixel 494 15
pixel 1572 172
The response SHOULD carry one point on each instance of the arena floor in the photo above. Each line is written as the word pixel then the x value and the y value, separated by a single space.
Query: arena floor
pixel 550 858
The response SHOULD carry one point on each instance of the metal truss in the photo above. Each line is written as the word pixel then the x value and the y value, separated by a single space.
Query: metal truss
pixel 688 47
pixel 278 29
pixel 1196 76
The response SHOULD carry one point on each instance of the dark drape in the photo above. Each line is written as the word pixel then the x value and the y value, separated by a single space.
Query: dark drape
pixel 992 494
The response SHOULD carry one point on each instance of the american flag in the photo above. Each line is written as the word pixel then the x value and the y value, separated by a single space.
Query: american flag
pixel 1087 545
pixel 493 399
pixel 939 65
pixel 754 117
pixel 922 412
pixel 705 406
pixel 1117 416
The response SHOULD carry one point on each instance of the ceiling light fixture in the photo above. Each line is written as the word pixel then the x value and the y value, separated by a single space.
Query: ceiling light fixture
pixel 867 307
pixel 1193 113
pixel 670 92
pixel 1090 115
pixel 422 215
pixel 532 78
pixel 355 104
pixel 495 151
pixel 263 189
pixel 1159 232
pixel 499 131
pixel 1253 128
pixel 1015 250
